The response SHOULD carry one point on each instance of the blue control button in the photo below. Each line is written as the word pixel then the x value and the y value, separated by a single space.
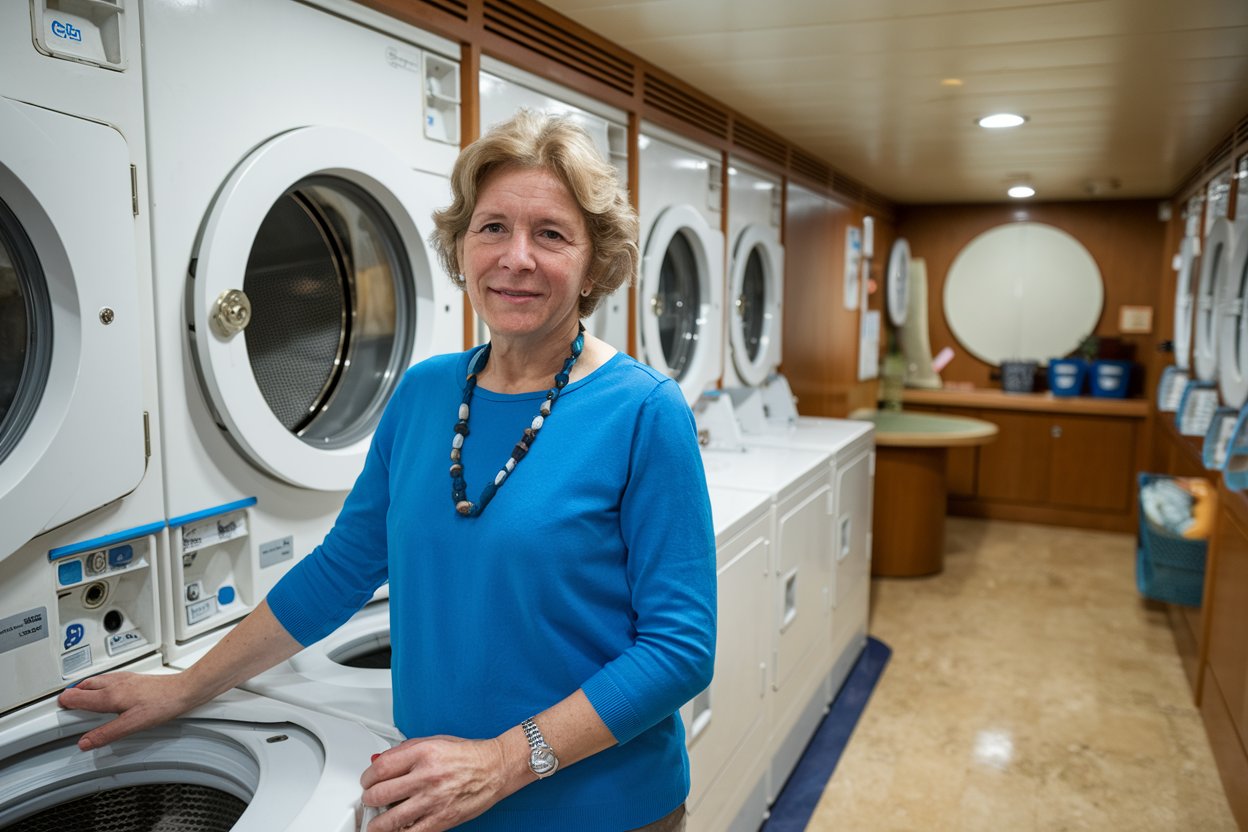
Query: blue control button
pixel 120 556
pixel 69 572
pixel 73 635
pixel 225 595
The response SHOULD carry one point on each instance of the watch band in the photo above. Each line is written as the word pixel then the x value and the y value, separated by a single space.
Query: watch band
pixel 542 759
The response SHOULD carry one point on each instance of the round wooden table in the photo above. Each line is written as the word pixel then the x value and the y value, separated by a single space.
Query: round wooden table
pixel 912 451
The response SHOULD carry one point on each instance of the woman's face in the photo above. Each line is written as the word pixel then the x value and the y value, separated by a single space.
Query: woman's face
pixel 525 255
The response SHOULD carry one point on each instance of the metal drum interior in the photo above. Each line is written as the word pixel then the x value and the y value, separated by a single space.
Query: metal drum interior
pixel 676 305
pixel 184 807
pixel 751 303
pixel 370 653
pixel 25 331
pixel 332 311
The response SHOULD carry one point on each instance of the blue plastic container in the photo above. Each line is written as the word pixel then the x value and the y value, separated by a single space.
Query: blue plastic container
pixel 1110 379
pixel 1168 568
pixel 1066 376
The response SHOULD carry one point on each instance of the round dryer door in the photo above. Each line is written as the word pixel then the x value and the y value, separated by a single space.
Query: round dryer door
pixel 1233 329
pixel 1189 263
pixel 312 291
pixel 757 285
pixel 1209 318
pixel 71 386
pixel 681 297
pixel 898 282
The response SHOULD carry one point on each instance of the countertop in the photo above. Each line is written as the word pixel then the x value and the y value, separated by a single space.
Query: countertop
pixel 994 399
pixel 903 428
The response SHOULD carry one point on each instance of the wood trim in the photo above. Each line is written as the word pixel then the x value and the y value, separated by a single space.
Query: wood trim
pixel 469 130
pixel 1042 402
pixel 1228 750
pixel 1031 513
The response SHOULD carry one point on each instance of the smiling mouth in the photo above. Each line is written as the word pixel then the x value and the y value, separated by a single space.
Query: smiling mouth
pixel 511 293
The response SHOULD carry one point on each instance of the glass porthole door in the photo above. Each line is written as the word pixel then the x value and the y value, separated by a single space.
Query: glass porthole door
pixel 1233 329
pixel 680 297
pixel 756 289
pixel 311 291
pixel 1213 272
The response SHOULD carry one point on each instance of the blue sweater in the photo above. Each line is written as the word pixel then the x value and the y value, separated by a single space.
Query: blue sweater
pixel 592 568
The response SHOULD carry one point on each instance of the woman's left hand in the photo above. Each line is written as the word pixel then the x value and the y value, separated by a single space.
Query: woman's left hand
pixel 435 783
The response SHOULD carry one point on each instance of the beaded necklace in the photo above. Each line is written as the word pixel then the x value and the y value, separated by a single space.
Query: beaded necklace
pixel 459 488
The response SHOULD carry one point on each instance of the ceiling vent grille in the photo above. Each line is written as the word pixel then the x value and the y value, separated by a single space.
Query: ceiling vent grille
pixel 670 99
pixel 810 167
pixel 846 186
pixel 457 9
pixel 1220 153
pixel 880 205
pixel 752 138
pixel 1241 134
pixel 551 40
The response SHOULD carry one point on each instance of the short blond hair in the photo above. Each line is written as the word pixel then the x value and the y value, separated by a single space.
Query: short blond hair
pixel 558 145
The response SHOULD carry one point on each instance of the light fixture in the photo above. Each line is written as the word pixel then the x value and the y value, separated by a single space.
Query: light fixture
pixel 951 82
pixel 1021 191
pixel 999 120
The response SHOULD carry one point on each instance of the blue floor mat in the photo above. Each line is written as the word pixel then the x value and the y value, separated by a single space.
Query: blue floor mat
pixel 796 803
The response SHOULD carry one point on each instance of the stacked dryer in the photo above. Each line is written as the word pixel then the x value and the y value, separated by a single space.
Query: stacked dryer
pixel 81 508
pixel 292 188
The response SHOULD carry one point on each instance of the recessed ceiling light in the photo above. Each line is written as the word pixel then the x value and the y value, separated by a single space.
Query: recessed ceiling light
pixel 951 82
pixel 1021 191
pixel 998 120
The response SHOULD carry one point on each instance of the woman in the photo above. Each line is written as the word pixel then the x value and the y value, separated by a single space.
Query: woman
pixel 552 599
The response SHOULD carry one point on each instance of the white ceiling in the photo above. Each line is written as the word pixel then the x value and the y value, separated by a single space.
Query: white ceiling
pixel 1124 97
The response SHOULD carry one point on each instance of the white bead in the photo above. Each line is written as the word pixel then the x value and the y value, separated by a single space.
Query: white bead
pixel 511 464
pixel 463 411
pixel 458 441
pixel 537 423
pixel 502 475
pixel 545 408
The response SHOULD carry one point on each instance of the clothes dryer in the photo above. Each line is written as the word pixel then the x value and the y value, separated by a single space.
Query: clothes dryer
pixel 81 505
pixel 799 487
pixel 240 763
pixel 727 724
pixel 1228 243
pixel 755 275
pixel 505 90
pixel 681 288
pixel 292 202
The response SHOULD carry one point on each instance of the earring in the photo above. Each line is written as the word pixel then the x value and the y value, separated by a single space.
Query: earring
pixel 585 292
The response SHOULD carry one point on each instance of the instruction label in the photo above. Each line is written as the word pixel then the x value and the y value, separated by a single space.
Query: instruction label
pixel 276 551
pixel 213 531
pixel 23 628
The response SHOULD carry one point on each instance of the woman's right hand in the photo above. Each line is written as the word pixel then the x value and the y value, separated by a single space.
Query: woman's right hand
pixel 139 700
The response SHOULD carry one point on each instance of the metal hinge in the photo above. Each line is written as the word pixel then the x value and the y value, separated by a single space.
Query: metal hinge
pixel 134 190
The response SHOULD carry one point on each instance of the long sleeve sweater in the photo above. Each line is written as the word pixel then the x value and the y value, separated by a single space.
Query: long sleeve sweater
pixel 592 568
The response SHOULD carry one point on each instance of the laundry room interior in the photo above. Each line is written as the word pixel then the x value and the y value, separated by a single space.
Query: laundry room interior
pixel 951 300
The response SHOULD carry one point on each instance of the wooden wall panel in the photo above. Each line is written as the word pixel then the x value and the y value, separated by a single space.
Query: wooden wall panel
pixel 1126 239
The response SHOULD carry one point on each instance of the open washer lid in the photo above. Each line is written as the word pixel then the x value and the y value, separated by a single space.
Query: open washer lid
pixel 310 293
pixel 1233 327
pixel 681 299
pixel 71 389
pixel 1213 272
pixel 757 292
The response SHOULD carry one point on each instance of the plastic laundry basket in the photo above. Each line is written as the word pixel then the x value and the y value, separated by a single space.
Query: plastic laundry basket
pixel 1168 567
pixel 1110 379
pixel 1018 376
pixel 1066 376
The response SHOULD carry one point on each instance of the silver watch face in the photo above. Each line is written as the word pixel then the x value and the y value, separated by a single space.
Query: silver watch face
pixel 543 761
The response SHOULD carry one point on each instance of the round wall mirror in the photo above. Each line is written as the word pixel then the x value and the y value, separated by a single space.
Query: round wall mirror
pixel 1024 291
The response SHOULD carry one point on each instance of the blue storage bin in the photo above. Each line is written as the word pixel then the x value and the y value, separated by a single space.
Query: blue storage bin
pixel 1066 376
pixel 1110 379
pixel 1168 567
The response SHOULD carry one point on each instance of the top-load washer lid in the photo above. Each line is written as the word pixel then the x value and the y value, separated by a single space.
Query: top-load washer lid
pixel 310 293
pixel 1213 272
pixel 898 282
pixel 757 286
pixel 1189 263
pixel 241 763
pixel 71 401
pixel 681 296
pixel 1233 328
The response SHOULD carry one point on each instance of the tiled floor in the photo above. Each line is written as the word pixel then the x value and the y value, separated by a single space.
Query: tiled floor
pixel 1031 691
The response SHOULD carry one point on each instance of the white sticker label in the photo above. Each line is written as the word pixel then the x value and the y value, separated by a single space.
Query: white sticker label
pixel 123 642
pixel 23 628
pixel 75 661
pixel 1225 431
pixel 201 610
pixel 276 551
pixel 213 531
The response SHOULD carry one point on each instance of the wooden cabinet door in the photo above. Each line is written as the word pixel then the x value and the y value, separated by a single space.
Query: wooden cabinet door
pixel 1092 462
pixel 1228 649
pixel 1015 465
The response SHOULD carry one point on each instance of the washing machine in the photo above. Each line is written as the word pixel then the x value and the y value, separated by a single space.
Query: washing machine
pixel 727 724
pixel 1212 302
pixel 798 484
pixel 239 763
pixel 81 505
pixel 292 181
pixel 1228 245
pixel 681 287
pixel 755 275
pixel 1187 266
pixel 504 91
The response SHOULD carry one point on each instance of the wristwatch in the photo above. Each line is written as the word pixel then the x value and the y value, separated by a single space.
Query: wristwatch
pixel 542 759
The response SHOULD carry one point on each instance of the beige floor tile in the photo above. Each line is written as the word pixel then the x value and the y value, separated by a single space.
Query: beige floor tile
pixel 1029 689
